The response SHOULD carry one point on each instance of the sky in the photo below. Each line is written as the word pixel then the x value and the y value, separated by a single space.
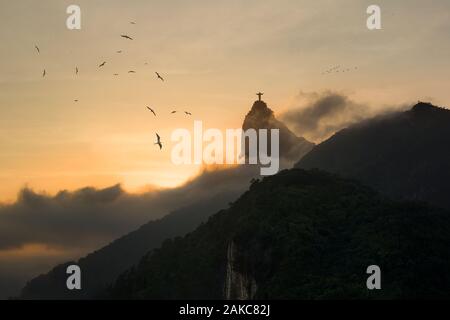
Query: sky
pixel 214 56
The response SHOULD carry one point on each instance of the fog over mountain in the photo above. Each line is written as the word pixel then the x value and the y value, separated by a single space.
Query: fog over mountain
pixel 70 224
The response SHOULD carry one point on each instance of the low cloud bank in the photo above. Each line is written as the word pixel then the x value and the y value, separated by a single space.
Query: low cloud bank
pixel 317 116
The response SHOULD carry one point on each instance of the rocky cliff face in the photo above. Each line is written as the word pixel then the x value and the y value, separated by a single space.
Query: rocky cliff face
pixel 239 285
pixel 292 148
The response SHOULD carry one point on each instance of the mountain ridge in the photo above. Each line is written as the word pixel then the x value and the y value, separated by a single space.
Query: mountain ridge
pixel 102 266
pixel 403 154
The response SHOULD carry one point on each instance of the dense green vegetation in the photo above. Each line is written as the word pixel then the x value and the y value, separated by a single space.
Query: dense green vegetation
pixel 304 235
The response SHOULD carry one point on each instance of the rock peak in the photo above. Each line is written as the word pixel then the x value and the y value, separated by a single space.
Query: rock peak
pixel 261 110
pixel 261 116
pixel 259 105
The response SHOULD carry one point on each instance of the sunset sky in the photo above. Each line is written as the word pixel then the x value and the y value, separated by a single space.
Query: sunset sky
pixel 214 55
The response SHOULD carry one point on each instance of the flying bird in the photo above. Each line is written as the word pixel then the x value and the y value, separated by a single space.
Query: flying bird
pixel 188 113
pixel 76 70
pixel 131 71
pixel 119 51
pixel 132 22
pixel 173 112
pixel 126 37
pixel 116 74
pixel 44 73
pixel 37 48
pixel 159 76
pixel 158 142
pixel 153 111
pixel 102 64
pixel 76 100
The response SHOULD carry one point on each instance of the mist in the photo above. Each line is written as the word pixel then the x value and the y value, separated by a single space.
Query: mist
pixel 318 115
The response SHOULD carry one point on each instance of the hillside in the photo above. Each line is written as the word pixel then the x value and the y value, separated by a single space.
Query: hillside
pixel 405 155
pixel 292 147
pixel 301 235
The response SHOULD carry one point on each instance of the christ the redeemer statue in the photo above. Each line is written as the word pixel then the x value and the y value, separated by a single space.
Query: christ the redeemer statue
pixel 259 94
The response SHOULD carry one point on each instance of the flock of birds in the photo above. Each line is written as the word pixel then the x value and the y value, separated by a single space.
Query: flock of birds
pixel 334 69
pixel 338 69
pixel 158 77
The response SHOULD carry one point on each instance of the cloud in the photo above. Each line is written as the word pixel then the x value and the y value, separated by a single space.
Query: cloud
pixel 88 218
pixel 317 116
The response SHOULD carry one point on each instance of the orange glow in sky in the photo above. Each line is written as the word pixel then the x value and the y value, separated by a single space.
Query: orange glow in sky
pixel 214 59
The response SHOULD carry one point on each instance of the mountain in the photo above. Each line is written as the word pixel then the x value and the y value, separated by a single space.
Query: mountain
pixel 405 155
pixel 262 117
pixel 301 235
pixel 102 267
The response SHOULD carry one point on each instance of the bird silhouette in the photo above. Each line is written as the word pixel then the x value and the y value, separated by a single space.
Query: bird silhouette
pixel 102 64
pixel 126 37
pixel 188 113
pixel 159 76
pixel 76 100
pixel 131 71
pixel 158 142
pixel 76 70
pixel 119 51
pixel 116 74
pixel 132 22
pixel 44 73
pixel 174 111
pixel 37 48
pixel 153 111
